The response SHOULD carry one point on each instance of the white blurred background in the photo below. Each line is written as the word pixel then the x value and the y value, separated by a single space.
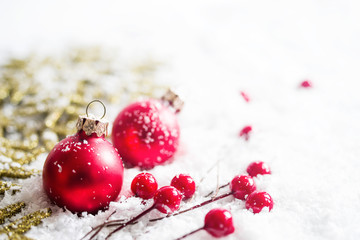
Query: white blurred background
pixel 214 49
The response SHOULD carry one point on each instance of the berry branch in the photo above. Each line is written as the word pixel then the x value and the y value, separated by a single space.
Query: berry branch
pixel 131 221
pixel 190 233
pixel 194 207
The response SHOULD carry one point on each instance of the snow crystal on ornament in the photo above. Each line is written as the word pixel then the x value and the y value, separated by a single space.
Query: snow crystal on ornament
pixel 66 149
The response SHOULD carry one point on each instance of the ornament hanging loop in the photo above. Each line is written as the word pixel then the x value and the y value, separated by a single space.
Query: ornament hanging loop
pixel 96 100
pixel 91 124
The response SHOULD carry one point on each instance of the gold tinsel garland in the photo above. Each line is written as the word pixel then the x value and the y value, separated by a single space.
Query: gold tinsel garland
pixel 17 172
pixel 4 186
pixel 10 210
pixel 22 225
pixel 32 121
pixel 35 113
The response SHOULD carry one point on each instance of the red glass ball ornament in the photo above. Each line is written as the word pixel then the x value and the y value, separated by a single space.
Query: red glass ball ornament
pixel 146 134
pixel 83 172
pixel 258 168
pixel 185 184
pixel 144 185
pixel 258 200
pixel 242 186
pixel 219 223
pixel 167 199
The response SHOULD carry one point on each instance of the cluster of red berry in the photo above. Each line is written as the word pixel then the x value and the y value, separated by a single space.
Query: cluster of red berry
pixel 245 131
pixel 167 199
pixel 144 185
pixel 218 222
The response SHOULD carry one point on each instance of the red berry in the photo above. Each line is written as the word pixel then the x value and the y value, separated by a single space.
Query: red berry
pixel 219 223
pixel 258 200
pixel 242 186
pixel 167 199
pixel 306 84
pixel 245 132
pixel 144 185
pixel 257 168
pixel 245 96
pixel 185 184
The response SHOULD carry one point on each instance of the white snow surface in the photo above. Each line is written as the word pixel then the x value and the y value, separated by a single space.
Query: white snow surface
pixel 212 50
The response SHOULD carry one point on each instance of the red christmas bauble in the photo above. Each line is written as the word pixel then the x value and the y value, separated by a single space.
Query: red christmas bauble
pixel 83 172
pixel 146 134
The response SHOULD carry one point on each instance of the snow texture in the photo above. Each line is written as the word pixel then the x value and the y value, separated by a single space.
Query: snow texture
pixel 213 50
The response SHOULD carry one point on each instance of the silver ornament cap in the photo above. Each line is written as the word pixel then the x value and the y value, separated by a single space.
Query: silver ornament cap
pixel 173 100
pixel 91 124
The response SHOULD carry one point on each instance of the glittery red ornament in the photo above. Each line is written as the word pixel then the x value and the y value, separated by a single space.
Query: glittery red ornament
pixel 84 172
pixel 146 133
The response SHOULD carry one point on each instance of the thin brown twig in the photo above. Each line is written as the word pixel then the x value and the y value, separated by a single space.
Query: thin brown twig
pixel 99 227
pixel 190 233
pixel 217 180
pixel 194 207
pixel 133 220
pixel 207 172
pixel 221 187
